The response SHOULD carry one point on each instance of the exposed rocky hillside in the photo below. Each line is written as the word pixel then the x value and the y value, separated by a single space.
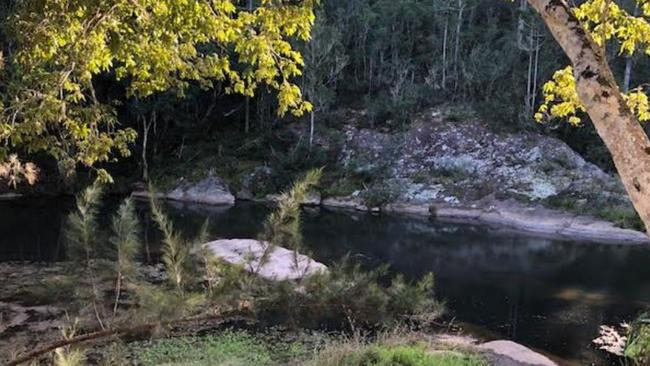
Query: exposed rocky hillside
pixel 464 163
pixel 451 169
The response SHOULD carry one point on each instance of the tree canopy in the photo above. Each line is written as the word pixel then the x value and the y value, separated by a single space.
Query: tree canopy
pixel 55 50
pixel 608 24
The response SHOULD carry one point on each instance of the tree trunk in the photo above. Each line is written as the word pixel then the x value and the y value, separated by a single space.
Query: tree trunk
pixel 444 51
pixel 536 68
pixel 311 129
pixel 459 24
pixel 247 114
pixel 247 101
pixel 628 74
pixel 146 126
pixel 615 123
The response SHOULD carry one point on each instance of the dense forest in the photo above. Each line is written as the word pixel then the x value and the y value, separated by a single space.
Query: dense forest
pixel 324 182
pixel 390 59
pixel 393 59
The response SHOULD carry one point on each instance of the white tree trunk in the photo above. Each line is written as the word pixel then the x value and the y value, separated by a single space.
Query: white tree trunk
pixel 459 24
pixel 311 129
pixel 445 35
pixel 615 123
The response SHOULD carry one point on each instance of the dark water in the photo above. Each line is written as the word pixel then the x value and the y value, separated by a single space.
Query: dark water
pixel 550 295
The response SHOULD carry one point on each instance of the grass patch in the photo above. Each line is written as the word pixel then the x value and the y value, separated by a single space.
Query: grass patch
pixel 239 348
pixel 232 348
pixel 389 353
pixel 565 203
pixel 622 217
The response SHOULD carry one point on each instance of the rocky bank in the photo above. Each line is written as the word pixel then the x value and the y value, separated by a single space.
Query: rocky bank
pixel 450 170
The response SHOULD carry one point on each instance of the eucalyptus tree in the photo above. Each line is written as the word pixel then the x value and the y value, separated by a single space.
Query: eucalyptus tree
pixel 588 85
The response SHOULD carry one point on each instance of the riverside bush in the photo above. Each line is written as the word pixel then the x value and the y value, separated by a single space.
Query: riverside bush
pixel 638 346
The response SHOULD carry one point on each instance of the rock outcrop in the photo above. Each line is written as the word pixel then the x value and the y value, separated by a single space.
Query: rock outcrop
pixel 451 170
pixel 463 171
pixel 210 190
pixel 438 161
pixel 279 263
pixel 498 353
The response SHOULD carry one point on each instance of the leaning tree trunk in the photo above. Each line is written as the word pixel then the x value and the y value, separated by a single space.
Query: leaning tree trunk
pixel 597 88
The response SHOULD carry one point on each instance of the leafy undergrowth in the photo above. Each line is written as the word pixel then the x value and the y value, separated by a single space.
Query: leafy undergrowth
pixel 110 290
pixel 239 348
pixel 638 346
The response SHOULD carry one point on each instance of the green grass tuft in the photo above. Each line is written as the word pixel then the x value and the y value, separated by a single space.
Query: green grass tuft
pixel 401 355
pixel 229 348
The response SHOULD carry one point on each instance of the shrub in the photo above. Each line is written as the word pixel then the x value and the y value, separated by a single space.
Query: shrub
pixel 380 194
pixel 347 294
pixel 623 217
pixel 638 346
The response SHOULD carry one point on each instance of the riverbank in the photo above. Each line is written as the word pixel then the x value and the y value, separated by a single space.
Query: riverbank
pixel 508 216
pixel 25 325
pixel 437 166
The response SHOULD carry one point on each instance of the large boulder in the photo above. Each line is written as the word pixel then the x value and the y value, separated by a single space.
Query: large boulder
pixel 508 353
pixel 280 263
pixel 211 190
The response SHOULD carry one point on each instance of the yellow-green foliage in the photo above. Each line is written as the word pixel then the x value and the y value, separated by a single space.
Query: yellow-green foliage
pixel 282 227
pixel 153 45
pixel 638 346
pixel 605 21
pixel 69 355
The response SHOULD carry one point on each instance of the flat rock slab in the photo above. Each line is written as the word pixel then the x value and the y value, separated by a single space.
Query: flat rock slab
pixel 281 263
pixel 545 222
pixel 509 353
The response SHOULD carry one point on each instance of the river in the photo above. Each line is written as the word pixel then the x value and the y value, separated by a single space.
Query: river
pixel 547 294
